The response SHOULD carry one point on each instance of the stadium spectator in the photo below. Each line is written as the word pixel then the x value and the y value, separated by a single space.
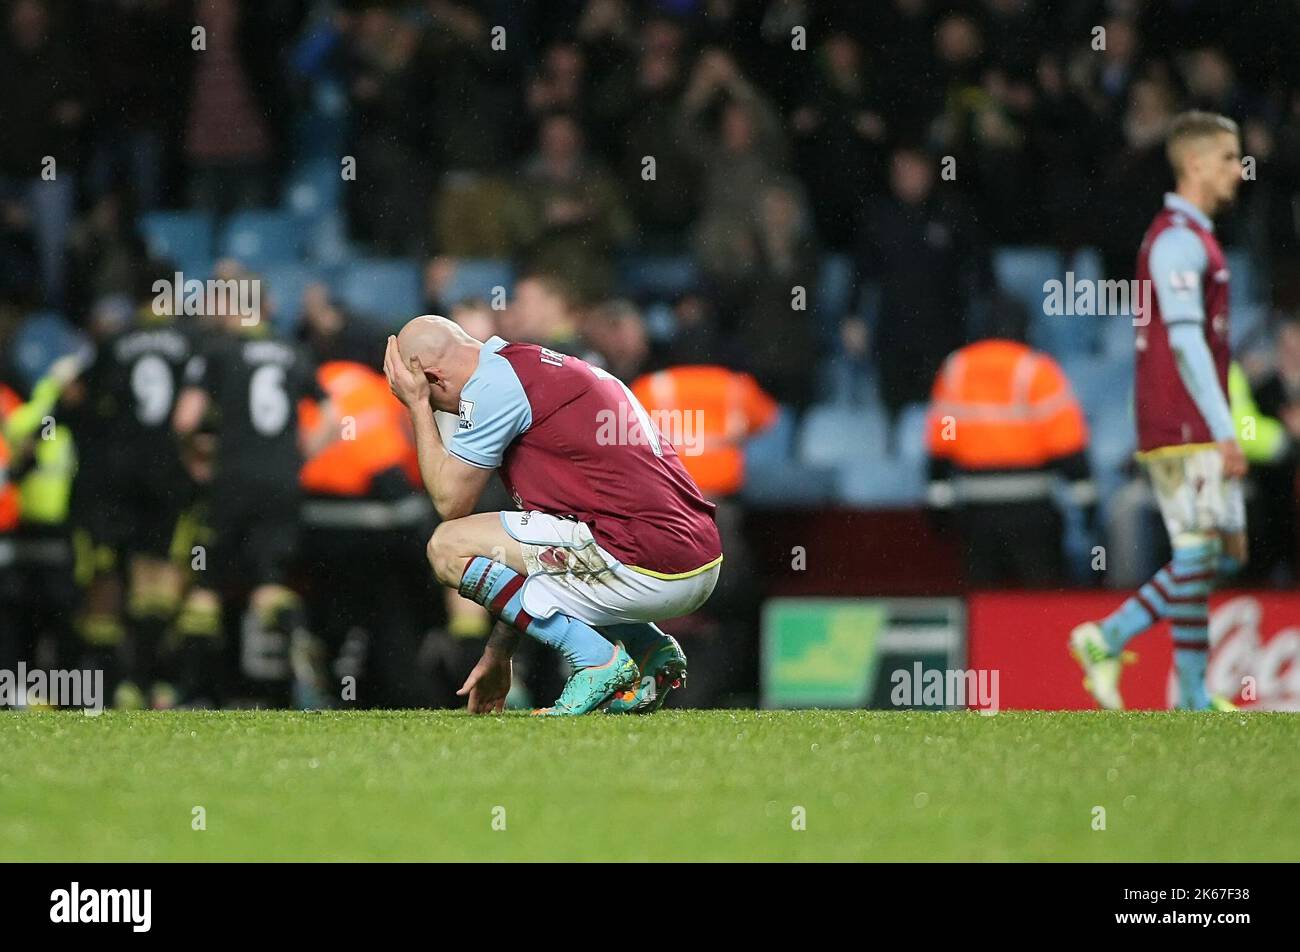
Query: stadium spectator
pixel 1275 463
pixel 1061 133
pixel 576 216
pixel 1104 76
pixel 475 317
pixel 743 154
pixel 388 80
pixel 134 111
pixel 542 312
pixel 328 330
pixel 38 460
pixel 771 305
pixel 839 124
pixel 42 114
pixel 1003 422
pixel 361 510
pixel 638 101
pixel 1276 195
pixel 560 84
pixel 698 339
pixel 1135 171
pixel 615 331
pixel 1210 82
pixel 107 256
pixel 959 59
pixel 923 252
pixel 236 103
pixel 13 647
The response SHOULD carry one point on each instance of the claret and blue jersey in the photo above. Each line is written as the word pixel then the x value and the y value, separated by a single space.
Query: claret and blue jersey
pixel 541 417
pixel 1182 261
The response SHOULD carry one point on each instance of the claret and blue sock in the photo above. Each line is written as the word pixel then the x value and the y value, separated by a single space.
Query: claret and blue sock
pixel 498 588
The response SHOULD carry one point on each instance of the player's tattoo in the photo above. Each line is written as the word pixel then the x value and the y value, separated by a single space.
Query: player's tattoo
pixel 503 639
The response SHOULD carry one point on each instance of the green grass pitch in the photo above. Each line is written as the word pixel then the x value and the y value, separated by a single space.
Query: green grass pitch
pixel 717 785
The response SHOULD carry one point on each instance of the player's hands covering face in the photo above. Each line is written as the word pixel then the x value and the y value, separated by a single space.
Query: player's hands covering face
pixel 407 382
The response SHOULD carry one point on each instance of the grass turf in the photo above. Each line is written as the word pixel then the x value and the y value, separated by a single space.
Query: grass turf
pixel 715 785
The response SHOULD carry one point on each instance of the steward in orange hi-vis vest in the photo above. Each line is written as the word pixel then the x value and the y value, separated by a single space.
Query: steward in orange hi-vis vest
pixel 375 437
pixel 9 401
pixel 713 411
pixel 1003 426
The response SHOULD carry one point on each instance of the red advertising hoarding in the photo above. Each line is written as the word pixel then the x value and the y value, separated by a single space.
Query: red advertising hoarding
pixel 1254 656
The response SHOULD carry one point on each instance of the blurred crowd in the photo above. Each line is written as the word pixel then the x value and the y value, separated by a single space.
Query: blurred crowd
pixel 756 139
pixel 757 134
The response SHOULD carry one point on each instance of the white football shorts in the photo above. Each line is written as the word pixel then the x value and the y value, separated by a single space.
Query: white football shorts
pixel 569 572
pixel 1193 494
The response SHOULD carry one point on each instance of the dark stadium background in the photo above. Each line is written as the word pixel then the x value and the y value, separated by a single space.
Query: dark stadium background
pixel 779 163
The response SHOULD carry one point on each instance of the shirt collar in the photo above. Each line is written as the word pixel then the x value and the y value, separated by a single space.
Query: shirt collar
pixel 1176 202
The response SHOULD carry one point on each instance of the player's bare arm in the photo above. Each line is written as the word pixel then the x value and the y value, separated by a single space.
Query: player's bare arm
pixel 453 485
pixel 489 683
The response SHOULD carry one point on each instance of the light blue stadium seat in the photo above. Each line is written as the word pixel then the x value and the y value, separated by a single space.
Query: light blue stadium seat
pixel 1246 287
pixel 183 238
pixel 327 239
pixel 833 434
pixel 322 131
pixel 1082 334
pixel 1101 382
pixel 658 276
pixel 387 289
pixel 1088 263
pixel 314 196
pixel 1248 327
pixel 883 483
pixel 1022 272
pixel 775 445
pixel 1117 336
pixel 910 433
pixel 39 340
pixel 1113 437
pixel 285 283
pixel 786 484
pixel 832 297
pixel 260 238
pixel 478 278
pixel 314 188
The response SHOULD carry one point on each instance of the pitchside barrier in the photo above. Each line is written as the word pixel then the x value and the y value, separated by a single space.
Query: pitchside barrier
pixel 1007 651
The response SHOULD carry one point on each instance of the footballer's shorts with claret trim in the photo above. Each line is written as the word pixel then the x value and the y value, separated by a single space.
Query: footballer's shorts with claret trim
pixel 569 572
pixel 1194 495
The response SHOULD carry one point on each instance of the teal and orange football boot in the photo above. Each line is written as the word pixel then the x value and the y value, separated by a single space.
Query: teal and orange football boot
pixel 590 688
pixel 664 667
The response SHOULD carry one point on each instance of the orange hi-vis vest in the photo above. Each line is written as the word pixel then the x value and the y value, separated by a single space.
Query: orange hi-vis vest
pixel 9 401
pixel 707 413
pixel 999 405
pixel 375 434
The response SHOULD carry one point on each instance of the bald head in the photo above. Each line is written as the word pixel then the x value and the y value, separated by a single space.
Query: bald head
pixel 443 352
pixel 429 338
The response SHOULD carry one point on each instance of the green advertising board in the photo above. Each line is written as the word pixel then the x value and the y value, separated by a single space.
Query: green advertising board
pixel 838 652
